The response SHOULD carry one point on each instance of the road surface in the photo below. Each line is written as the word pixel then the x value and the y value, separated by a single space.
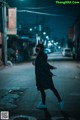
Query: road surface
pixel 18 93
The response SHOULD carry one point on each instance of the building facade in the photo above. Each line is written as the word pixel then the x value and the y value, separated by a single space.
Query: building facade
pixel 76 39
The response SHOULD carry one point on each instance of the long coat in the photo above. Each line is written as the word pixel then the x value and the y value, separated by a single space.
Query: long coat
pixel 42 72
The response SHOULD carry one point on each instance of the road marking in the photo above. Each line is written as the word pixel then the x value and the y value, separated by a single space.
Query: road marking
pixel 61 118
pixel 75 94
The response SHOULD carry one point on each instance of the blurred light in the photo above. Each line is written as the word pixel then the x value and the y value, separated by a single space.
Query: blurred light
pixel 52 41
pixel 56 43
pixel 44 33
pixel 49 44
pixel 47 37
pixel 21 0
pixel 24 37
pixel 59 47
pixel 49 41
pixel 40 27
pixel 45 42
pixel 30 29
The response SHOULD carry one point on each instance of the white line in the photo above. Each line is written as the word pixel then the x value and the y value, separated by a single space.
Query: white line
pixel 75 94
pixel 60 118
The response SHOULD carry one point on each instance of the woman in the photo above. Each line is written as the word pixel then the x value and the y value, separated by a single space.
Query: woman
pixel 44 76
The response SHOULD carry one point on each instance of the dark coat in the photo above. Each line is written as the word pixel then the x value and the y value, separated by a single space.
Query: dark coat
pixel 42 71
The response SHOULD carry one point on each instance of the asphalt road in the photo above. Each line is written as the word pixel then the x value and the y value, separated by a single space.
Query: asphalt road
pixel 18 93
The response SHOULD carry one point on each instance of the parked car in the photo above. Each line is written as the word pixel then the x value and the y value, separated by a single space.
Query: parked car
pixel 66 52
pixel 47 50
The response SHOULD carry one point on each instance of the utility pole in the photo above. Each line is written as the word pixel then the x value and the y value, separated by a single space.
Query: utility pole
pixel 37 29
pixel 4 33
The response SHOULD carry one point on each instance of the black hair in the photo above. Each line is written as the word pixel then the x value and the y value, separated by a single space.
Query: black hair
pixel 40 46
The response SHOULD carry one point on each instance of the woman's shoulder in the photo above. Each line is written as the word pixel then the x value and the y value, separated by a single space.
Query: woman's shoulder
pixel 44 55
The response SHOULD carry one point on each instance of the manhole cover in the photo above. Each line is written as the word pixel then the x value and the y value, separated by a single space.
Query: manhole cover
pixel 61 118
pixel 23 117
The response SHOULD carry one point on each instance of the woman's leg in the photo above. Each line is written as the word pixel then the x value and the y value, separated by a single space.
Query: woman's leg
pixel 56 93
pixel 61 102
pixel 43 95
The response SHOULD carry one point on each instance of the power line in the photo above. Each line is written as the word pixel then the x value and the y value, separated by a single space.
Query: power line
pixel 41 13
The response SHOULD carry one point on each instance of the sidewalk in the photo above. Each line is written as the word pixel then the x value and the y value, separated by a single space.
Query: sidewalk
pixel 9 64
pixel 78 64
pixel 1 64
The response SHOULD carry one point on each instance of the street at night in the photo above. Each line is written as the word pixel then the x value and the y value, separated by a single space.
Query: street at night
pixel 19 95
pixel 39 60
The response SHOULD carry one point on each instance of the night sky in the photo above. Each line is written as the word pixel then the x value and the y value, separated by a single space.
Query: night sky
pixel 59 25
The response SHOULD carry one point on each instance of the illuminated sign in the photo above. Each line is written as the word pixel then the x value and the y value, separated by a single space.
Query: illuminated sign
pixel 11 21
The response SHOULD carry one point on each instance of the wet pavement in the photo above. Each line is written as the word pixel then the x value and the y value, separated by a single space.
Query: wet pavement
pixel 19 96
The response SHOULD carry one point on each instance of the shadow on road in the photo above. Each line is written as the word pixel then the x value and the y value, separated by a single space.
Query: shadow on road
pixel 65 115
pixel 49 117
pixel 47 114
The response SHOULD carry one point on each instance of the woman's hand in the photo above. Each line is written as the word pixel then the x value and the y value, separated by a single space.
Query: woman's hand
pixel 54 67
pixel 33 62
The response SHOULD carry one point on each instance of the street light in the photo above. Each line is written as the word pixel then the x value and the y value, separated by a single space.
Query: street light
pixel 30 29
pixel 44 33
pixel 47 37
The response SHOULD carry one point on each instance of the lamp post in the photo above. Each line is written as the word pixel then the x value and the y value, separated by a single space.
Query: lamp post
pixel 4 33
